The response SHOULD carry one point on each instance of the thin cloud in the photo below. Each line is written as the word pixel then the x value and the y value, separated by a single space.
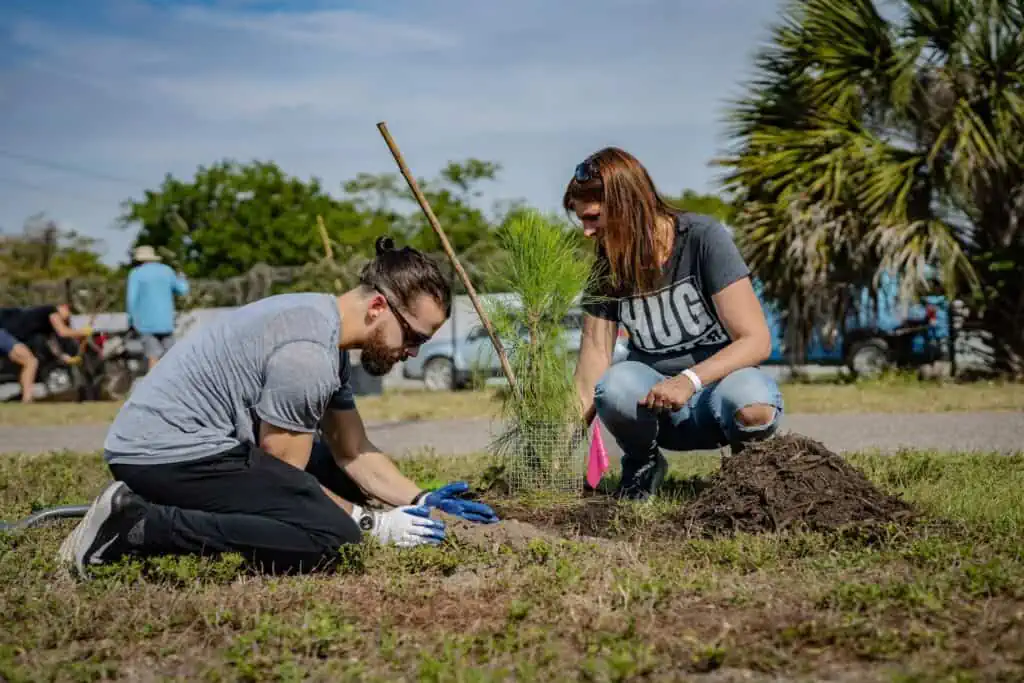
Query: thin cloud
pixel 342 31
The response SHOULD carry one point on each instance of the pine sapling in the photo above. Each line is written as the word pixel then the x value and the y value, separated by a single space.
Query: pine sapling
pixel 543 268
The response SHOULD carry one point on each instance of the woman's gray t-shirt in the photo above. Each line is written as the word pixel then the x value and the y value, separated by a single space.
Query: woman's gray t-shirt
pixel 677 326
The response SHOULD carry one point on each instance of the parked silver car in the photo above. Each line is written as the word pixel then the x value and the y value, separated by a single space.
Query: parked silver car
pixel 443 368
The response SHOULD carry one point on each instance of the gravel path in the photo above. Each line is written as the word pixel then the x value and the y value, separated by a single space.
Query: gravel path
pixel 994 431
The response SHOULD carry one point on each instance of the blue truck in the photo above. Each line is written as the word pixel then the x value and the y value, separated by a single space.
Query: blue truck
pixel 877 333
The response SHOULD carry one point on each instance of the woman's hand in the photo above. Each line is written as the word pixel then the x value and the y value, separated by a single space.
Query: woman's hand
pixel 669 394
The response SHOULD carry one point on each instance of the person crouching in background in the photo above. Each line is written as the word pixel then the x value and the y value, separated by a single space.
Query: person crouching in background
pixel 18 326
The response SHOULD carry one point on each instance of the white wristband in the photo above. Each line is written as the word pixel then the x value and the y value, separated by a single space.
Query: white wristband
pixel 694 379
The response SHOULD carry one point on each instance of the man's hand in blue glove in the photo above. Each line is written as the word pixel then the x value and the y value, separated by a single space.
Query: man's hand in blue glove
pixel 447 499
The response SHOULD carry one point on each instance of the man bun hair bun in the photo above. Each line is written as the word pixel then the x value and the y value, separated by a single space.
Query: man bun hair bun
pixel 405 274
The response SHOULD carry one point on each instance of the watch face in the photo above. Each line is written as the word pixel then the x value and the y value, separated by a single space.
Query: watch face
pixel 366 522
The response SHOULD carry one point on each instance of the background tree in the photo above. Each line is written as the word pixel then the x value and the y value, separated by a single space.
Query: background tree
pixel 231 216
pixel 708 204
pixel 389 205
pixel 45 251
pixel 867 145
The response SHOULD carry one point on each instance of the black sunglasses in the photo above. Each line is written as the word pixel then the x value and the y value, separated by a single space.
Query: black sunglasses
pixel 586 171
pixel 410 335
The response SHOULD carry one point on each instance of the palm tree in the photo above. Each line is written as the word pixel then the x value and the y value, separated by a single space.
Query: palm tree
pixel 870 143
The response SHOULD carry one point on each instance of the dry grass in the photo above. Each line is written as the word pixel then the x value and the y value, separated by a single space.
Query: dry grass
pixel 391 406
pixel 899 396
pixel 882 397
pixel 938 601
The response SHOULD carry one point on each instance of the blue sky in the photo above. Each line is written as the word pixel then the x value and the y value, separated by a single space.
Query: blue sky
pixel 128 90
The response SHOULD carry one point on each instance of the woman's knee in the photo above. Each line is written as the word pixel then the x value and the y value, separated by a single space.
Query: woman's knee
pixel 621 387
pixel 750 403
pixel 756 415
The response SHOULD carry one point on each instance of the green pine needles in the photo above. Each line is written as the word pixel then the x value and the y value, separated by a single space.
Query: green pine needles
pixel 546 271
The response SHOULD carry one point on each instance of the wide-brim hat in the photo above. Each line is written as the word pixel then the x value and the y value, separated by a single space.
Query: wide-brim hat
pixel 145 253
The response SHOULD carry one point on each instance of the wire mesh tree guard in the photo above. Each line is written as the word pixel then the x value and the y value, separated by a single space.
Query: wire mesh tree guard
pixel 544 456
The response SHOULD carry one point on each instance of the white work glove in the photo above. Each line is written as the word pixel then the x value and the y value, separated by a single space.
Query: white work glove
pixel 404 526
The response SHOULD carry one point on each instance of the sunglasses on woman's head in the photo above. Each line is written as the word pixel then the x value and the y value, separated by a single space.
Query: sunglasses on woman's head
pixel 586 171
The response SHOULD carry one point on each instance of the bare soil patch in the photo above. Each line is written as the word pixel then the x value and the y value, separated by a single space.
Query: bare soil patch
pixel 597 516
pixel 791 482
pixel 511 533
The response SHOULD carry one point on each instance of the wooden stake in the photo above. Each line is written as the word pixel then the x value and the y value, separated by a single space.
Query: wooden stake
pixel 446 245
pixel 323 236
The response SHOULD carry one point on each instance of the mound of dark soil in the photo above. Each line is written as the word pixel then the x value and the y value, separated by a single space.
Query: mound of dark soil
pixel 789 482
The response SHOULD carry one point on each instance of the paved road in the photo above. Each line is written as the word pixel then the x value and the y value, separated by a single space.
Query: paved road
pixel 994 431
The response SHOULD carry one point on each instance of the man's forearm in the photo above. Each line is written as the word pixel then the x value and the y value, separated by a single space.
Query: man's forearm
pixel 378 476
pixel 342 503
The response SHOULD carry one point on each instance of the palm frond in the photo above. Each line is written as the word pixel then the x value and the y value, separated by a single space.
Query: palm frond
pixel 867 146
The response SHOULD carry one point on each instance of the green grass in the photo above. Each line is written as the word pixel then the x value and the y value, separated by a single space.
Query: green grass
pixel 902 395
pixel 880 396
pixel 940 600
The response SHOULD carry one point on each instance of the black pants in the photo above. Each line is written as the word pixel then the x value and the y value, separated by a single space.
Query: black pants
pixel 246 501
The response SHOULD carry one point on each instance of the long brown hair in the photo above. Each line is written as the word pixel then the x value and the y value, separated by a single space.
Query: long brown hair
pixel 628 246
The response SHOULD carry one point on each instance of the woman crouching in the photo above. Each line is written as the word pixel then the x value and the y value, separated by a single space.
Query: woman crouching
pixel 679 286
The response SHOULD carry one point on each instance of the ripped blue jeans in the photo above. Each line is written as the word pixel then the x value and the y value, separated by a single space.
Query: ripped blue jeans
pixel 708 421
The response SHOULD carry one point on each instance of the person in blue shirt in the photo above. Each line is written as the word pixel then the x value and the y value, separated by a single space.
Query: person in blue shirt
pixel 152 286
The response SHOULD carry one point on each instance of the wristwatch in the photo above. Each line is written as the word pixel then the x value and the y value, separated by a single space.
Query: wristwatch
pixel 363 517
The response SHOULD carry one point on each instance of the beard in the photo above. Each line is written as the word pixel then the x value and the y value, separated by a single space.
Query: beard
pixel 376 357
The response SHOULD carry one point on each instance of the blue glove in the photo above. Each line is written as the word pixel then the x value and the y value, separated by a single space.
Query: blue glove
pixel 446 498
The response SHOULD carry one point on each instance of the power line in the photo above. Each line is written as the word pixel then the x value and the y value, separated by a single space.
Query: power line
pixel 67 168
pixel 50 191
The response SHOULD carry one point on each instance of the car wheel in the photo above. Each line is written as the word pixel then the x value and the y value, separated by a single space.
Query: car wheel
pixel 869 358
pixel 58 380
pixel 439 374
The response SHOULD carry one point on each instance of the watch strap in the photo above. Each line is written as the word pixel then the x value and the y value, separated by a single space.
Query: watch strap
pixel 364 518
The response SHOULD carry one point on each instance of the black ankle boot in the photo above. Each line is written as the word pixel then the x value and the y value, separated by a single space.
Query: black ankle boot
pixel 642 477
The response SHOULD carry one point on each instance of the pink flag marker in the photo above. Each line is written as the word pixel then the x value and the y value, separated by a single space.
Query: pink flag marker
pixel 597 462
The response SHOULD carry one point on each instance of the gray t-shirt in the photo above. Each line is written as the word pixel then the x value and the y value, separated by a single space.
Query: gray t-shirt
pixel 276 359
pixel 677 326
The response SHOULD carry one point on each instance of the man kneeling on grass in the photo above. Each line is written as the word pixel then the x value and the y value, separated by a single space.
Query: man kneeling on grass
pixel 216 449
